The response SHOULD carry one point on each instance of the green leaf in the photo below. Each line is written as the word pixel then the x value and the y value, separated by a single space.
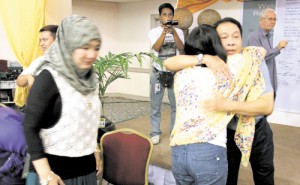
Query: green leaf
pixel 114 66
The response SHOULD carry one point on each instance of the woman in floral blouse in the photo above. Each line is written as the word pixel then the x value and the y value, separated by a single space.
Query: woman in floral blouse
pixel 198 139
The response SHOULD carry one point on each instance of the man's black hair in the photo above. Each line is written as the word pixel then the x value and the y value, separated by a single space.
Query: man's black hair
pixel 229 19
pixel 204 39
pixel 51 28
pixel 165 5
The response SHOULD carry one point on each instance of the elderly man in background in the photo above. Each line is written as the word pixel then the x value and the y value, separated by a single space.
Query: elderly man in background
pixel 261 37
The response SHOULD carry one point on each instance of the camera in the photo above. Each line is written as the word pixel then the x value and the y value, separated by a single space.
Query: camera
pixel 171 23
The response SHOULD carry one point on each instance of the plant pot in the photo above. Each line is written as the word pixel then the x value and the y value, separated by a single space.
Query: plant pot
pixel 105 125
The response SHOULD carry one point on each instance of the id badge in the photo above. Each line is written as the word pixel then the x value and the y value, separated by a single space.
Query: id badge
pixel 157 88
pixel 102 123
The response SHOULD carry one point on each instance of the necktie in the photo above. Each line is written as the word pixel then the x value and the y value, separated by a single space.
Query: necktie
pixel 269 41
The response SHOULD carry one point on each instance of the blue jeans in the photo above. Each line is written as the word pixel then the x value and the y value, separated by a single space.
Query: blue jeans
pixel 199 164
pixel 156 102
pixel 89 179
pixel 32 179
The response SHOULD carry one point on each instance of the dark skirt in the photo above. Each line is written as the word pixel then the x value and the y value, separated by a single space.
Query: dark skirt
pixel 5 180
pixel 90 179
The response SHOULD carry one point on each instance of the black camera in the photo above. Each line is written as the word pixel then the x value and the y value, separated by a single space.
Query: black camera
pixel 171 23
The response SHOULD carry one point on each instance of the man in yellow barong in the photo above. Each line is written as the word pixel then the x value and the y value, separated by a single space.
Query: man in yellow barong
pixel 206 103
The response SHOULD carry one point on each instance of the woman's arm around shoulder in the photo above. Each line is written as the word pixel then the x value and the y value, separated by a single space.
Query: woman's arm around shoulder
pixel 180 62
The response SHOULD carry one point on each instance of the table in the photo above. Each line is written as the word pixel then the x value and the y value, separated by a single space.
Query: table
pixel 7 87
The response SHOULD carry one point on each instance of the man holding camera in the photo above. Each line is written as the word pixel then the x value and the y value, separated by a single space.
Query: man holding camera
pixel 166 41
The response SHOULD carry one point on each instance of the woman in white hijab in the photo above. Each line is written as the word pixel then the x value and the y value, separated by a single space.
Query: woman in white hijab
pixel 63 109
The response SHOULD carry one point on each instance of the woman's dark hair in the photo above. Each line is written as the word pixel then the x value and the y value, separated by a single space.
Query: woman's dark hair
pixel 204 39
pixel 231 20
pixel 165 5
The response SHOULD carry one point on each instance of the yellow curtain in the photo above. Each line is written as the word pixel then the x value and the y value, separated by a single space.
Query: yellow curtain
pixel 22 20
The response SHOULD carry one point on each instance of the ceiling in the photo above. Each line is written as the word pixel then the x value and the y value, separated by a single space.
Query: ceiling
pixel 122 1
pixel 127 1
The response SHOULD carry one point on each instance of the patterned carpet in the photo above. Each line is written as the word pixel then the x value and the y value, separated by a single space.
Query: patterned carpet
pixel 119 109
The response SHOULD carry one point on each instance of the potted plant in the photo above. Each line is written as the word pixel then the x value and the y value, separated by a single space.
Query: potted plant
pixel 112 67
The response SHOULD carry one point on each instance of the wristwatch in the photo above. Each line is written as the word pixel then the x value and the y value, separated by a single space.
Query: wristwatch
pixel 200 59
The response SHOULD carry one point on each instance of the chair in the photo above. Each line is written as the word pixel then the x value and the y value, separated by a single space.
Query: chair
pixel 12 146
pixel 126 157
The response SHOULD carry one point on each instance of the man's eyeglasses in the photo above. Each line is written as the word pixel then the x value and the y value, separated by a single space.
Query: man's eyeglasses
pixel 272 19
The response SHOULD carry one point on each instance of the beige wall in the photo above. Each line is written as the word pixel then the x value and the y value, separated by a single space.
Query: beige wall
pixel 55 11
pixel 125 27
pixel 105 16
pixel 132 25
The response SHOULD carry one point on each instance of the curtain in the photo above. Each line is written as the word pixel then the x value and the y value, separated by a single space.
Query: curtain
pixel 22 20
pixel 196 5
